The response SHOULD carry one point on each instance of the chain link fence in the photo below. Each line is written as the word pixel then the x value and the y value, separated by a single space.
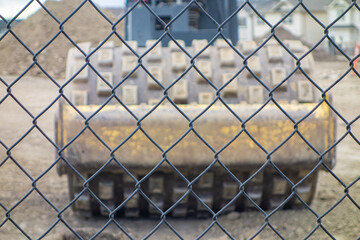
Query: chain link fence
pixel 206 131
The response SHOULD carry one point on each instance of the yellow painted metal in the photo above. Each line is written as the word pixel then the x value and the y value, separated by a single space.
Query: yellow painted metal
pixel 269 128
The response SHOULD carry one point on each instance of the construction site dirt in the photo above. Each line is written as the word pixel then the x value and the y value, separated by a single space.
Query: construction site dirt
pixel 34 154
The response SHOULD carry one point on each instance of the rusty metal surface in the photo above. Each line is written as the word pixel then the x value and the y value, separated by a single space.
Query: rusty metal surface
pixel 114 124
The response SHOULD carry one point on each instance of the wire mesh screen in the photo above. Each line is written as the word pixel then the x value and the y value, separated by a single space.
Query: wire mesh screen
pixel 174 135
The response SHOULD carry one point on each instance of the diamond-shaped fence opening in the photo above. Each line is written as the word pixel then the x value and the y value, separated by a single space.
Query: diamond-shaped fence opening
pixel 187 119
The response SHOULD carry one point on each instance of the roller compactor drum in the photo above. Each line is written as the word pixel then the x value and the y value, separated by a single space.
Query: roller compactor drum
pixel 140 93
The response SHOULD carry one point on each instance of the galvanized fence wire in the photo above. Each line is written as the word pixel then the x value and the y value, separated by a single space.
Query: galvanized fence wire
pixel 139 119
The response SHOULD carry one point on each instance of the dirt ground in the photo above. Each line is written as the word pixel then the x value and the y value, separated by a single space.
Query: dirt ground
pixel 86 25
pixel 27 177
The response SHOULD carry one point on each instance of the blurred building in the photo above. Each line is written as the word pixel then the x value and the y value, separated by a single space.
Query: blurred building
pixel 300 24
pixel 346 31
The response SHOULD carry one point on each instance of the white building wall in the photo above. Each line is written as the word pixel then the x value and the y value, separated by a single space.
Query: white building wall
pixel 346 29
pixel 294 27
pixel 305 27
pixel 260 27
pixel 343 37
pixel 356 17
pixel 334 13
pixel 245 30
pixel 312 31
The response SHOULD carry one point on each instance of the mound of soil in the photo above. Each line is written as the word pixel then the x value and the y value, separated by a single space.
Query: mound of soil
pixel 86 25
